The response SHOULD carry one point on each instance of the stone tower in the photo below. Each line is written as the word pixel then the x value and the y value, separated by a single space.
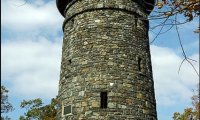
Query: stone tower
pixel 106 71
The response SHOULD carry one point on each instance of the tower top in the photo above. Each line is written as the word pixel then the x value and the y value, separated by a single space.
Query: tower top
pixel 147 4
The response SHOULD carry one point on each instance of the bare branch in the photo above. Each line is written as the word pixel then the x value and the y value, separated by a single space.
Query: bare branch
pixel 184 54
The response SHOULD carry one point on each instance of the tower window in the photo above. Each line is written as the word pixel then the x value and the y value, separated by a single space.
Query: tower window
pixel 139 64
pixel 69 61
pixel 104 99
pixel 136 21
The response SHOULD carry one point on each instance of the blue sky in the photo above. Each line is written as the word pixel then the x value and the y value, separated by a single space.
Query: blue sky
pixel 31 45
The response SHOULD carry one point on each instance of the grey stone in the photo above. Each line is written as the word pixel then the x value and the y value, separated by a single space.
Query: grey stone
pixel 105 43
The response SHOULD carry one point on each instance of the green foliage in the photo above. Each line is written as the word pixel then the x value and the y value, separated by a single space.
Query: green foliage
pixel 5 105
pixel 191 113
pixel 37 111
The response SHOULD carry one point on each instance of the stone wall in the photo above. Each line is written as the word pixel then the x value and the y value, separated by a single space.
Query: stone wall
pixel 106 49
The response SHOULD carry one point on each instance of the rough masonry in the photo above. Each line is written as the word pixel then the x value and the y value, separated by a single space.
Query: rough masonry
pixel 106 71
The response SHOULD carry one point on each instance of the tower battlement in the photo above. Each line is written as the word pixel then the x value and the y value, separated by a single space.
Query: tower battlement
pixel 106 71
pixel 146 5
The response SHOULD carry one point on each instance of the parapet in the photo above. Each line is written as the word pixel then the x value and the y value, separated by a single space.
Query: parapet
pixel 147 5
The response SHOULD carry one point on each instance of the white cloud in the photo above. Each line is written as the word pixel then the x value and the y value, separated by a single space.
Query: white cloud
pixel 31 64
pixel 172 88
pixel 30 16
pixel 32 67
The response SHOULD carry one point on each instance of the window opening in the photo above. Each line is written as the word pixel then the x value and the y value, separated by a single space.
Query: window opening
pixel 69 61
pixel 139 64
pixel 104 99
pixel 67 76
pixel 136 21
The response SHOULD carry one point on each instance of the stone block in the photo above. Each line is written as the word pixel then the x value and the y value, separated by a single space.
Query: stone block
pixel 111 105
pixel 95 104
